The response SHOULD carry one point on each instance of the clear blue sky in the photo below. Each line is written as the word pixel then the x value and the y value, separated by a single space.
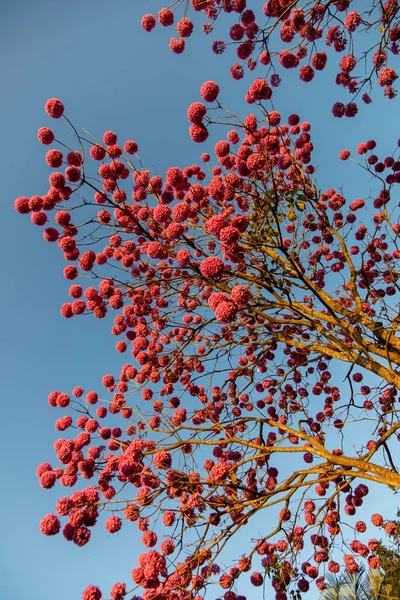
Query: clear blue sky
pixel 110 74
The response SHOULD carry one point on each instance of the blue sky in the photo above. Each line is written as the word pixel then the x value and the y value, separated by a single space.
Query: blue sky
pixel 110 74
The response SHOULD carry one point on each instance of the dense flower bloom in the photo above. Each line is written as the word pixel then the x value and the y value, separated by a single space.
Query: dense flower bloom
pixel 374 562
pixel 306 73
pixel 21 205
pixel 348 63
pixel 162 213
pixel 113 524
pixel 166 17
pixel 131 512
pixel 97 152
pixel 256 579
pixel 216 223
pixel 169 518
pixel 209 91
pixel 237 71
pixel 107 381
pixel 318 61
pixel 338 109
pixel 222 148
pixel 226 312
pixel 183 257
pixel 54 158
pixel 92 397
pixel 149 539
pixel 357 204
pixel 288 60
pixel 118 591
pixel 177 46
pixel 45 136
pixel 43 467
pixel 155 250
pixel 174 230
pixel 148 22
pixel 184 28
pixel 212 267
pixel 92 592
pixel 54 108
pixel 175 177
pixel 216 298
pixel 303 585
pixel 377 520
pixel 198 132
pixel 391 528
pixel 196 112
pixel 131 147
pixel 50 525
pixel 259 90
pixel 48 479
pixel 81 536
pixel 63 423
pixel 160 233
pixel 387 76
pixel 162 460
pixel 352 21
pixel 220 471
pixel 344 154
pixel 167 547
pixel 74 158
pixel 229 235
pixel 240 295
pixel 361 526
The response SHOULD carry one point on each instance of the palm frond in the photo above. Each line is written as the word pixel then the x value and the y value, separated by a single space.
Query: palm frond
pixel 358 586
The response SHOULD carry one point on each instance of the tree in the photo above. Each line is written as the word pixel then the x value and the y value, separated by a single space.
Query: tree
pixel 383 582
pixel 390 565
pixel 358 586
pixel 241 297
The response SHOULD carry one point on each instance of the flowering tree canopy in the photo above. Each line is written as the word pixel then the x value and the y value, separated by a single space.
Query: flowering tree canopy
pixel 242 296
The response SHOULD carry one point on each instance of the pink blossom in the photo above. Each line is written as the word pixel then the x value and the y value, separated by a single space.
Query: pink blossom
pixel 319 60
pixel 118 591
pixel 306 73
pixel 184 28
pixel 196 112
pixel 148 22
pixel 387 76
pixel 391 528
pixel 216 298
pixel 177 46
pixel 162 460
pixel 259 90
pixel 226 312
pixel 198 132
pixel 215 224
pixel 113 524
pixel 166 17
pixel 209 91
pixel 256 579
pixel 344 154
pixel 183 257
pixel 155 250
pixel 348 63
pixel 377 520
pixel 167 547
pixel 50 525
pixel 149 539
pixel 92 592
pixel 352 21
pixel 45 136
pixel 212 267
pixel 54 108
